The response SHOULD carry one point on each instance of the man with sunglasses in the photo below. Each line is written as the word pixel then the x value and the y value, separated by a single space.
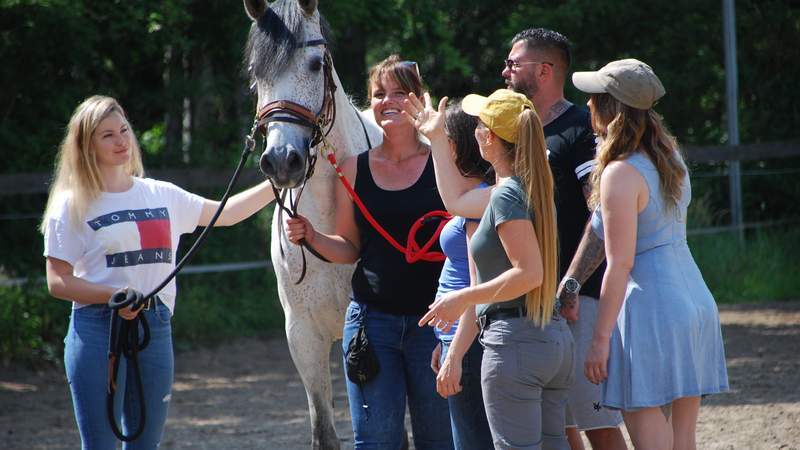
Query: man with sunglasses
pixel 537 67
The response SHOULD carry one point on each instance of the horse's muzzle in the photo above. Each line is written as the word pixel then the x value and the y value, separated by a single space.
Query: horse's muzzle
pixel 284 165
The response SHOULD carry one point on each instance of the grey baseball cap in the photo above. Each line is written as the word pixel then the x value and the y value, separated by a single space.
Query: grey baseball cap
pixel 630 81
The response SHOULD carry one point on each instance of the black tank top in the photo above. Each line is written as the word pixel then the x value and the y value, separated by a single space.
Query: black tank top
pixel 383 279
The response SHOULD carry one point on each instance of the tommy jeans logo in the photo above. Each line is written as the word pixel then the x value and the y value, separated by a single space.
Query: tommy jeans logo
pixel 135 236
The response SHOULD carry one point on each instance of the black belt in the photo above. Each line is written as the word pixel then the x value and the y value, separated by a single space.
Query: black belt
pixel 501 314
pixel 511 313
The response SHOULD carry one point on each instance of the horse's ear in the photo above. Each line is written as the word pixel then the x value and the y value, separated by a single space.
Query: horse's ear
pixel 308 6
pixel 255 8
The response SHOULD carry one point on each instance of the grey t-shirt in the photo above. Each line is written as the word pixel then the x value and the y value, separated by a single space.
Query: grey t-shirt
pixel 508 202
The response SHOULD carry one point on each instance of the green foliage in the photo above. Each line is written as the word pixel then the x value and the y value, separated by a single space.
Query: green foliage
pixel 32 324
pixel 165 60
pixel 761 269
pixel 209 309
pixel 153 140
pixel 213 307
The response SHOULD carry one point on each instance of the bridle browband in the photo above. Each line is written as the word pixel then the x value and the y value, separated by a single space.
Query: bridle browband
pixel 288 111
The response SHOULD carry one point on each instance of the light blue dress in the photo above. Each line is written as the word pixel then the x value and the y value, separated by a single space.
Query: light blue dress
pixel 667 343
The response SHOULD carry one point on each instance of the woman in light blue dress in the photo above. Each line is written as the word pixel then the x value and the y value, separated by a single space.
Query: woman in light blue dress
pixel 657 344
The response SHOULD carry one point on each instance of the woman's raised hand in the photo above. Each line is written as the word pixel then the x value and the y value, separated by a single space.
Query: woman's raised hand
pixel 427 120
pixel 299 228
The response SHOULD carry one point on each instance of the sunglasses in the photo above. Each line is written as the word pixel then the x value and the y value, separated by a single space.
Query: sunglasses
pixel 411 65
pixel 513 65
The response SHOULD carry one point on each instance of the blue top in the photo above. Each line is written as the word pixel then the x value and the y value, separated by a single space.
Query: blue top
pixel 455 272
pixel 667 343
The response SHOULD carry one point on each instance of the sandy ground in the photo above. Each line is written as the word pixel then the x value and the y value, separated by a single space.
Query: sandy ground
pixel 247 395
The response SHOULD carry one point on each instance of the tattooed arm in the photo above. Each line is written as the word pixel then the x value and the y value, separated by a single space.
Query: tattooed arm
pixel 588 257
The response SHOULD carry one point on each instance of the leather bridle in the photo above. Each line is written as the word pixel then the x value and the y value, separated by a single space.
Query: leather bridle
pixel 319 123
pixel 288 111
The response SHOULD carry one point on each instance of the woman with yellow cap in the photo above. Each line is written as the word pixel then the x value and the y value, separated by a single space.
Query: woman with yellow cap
pixel 528 361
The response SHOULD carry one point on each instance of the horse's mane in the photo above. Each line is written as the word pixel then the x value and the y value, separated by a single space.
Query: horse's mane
pixel 274 38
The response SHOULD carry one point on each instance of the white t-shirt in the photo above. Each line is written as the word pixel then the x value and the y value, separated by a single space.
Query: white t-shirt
pixel 128 239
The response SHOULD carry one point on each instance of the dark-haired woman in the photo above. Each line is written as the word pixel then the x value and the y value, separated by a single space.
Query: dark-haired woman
pixel 457 360
pixel 396 183
pixel 656 345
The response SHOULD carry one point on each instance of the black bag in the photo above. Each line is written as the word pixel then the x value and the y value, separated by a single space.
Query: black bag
pixel 360 359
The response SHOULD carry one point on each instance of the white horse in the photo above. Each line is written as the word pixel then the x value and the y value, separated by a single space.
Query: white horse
pixel 287 52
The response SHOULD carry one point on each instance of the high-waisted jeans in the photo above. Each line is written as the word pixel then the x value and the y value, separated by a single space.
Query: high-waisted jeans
pixel 404 352
pixel 86 363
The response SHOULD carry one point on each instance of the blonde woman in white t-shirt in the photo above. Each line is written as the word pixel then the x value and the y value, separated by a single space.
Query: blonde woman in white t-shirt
pixel 107 228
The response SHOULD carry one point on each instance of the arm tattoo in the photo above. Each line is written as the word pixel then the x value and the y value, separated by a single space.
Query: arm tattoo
pixel 590 254
pixel 587 192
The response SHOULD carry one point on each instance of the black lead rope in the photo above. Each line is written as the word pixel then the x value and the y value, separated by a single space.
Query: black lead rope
pixel 294 202
pixel 124 336
pixel 124 340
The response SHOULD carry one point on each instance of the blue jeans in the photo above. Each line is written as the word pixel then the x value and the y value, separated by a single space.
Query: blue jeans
pixel 467 415
pixel 86 363
pixel 404 351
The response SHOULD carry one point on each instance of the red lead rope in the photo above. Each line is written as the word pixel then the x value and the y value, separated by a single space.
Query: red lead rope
pixel 412 250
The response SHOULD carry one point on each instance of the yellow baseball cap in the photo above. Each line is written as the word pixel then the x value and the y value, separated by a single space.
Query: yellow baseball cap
pixel 499 111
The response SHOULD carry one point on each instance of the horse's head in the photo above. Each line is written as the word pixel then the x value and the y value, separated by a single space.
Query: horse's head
pixel 287 56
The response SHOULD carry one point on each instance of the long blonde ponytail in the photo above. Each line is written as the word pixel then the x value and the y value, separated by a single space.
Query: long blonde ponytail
pixel 531 166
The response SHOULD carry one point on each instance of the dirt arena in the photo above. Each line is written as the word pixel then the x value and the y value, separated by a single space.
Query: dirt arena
pixel 247 395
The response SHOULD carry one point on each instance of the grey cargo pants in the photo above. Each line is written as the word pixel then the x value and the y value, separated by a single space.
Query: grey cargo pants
pixel 525 377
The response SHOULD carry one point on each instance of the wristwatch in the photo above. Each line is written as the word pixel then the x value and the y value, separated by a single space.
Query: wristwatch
pixel 571 285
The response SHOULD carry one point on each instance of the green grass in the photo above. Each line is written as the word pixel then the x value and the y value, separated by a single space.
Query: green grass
pixel 763 268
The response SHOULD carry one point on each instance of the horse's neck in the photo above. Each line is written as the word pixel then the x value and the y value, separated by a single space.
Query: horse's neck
pixel 349 132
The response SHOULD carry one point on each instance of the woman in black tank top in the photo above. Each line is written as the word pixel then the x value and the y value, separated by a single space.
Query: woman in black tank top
pixel 396 183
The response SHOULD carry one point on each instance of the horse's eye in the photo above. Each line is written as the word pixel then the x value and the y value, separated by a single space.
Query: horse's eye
pixel 315 64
